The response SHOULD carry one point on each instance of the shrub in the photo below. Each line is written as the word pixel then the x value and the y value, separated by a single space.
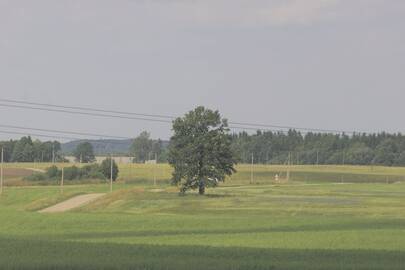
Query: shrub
pixel 52 172
pixel 71 173
pixel 91 172
pixel 106 169
pixel 36 177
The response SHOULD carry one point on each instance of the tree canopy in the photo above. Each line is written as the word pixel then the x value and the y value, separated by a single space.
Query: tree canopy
pixel 144 148
pixel 200 150
pixel 105 169
pixel 84 153
pixel 141 147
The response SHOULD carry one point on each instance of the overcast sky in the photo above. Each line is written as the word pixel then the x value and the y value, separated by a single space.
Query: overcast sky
pixel 332 64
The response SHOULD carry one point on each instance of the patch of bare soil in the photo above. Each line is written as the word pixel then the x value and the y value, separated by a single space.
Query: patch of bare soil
pixel 72 203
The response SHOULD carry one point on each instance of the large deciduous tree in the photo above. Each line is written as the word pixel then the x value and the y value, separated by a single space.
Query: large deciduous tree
pixel 23 150
pixel 200 150
pixel 84 152
pixel 141 147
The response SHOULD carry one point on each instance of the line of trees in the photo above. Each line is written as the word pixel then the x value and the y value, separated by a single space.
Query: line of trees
pixel 310 148
pixel 28 150
pixel 317 148
pixel 266 148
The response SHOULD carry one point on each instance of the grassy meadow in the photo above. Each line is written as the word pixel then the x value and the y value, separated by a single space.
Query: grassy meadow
pixel 325 217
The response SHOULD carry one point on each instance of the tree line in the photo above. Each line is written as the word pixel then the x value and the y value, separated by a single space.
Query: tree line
pixel 319 148
pixel 265 147
pixel 28 150
pixel 305 149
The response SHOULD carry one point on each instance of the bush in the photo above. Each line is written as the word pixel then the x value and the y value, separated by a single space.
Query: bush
pixel 52 172
pixel 106 169
pixel 71 173
pixel 36 177
pixel 91 172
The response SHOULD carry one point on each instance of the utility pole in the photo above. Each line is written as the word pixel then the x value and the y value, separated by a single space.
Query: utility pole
pixel 251 169
pixel 288 166
pixel 62 178
pixel 53 153
pixel 111 174
pixel 154 170
pixel 317 157
pixel 343 161
pixel 1 171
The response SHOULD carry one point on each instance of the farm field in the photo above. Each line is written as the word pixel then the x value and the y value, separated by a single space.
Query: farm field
pixel 315 221
pixel 144 174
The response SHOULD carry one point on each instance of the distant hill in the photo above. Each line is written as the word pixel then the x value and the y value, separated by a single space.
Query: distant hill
pixel 101 147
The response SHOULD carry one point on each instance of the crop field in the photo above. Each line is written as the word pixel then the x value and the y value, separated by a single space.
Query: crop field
pixel 325 217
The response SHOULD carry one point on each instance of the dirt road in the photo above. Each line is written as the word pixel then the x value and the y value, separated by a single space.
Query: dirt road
pixel 72 203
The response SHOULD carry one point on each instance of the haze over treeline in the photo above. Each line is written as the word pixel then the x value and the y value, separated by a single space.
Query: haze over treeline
pixel 266 148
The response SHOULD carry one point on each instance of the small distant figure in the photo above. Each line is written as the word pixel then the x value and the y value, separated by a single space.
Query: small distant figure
pixel 276 177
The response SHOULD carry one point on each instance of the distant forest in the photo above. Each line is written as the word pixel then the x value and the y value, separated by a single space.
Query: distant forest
pixel 28 150
pixel 318 148
pixel 265 147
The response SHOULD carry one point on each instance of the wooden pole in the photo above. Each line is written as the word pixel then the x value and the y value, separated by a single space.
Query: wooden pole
pixel 288 166
pixel 62 178
pixel 344 157
pixel 53 153
pixel 154 171
pixel 111 174
pixel 1 171
pixel 251 169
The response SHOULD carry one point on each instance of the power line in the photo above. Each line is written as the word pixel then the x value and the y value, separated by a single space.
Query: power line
pixel 86 109
pixel 101 136
pixel 113 116
pixel 64 132
pixel 152 117
pixel 85 113
pixel 39 135
pixel 67 132
pixel 58 137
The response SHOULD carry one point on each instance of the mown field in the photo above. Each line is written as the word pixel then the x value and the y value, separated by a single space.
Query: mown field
pixel 315 221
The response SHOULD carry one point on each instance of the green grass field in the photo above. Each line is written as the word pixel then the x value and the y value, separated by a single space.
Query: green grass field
pixel 316 221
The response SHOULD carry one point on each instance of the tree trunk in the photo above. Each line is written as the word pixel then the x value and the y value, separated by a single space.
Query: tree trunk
pixel 201 187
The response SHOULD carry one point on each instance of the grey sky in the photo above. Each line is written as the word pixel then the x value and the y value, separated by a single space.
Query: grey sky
pixel 333 64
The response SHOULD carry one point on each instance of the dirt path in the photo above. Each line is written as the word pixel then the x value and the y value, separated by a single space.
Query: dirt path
pixel 36 170
pixel 72 203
